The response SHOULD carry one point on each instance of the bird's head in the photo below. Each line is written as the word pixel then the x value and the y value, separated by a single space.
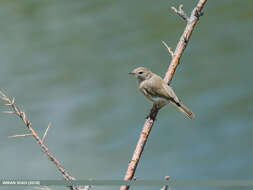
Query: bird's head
pixel 141 73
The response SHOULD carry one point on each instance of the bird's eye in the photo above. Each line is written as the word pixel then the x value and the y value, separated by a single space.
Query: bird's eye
pixel 140 72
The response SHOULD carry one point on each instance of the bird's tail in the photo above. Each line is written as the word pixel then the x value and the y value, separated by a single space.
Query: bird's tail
pixel 184 109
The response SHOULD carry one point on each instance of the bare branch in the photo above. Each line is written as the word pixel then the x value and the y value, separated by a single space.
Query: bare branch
pixel 184 39
pixel 33 133
pixel 45 134
pixel 23 135
pixel 168 48
pixel 180 12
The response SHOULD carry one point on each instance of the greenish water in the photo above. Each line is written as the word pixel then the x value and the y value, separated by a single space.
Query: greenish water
pixel 66 62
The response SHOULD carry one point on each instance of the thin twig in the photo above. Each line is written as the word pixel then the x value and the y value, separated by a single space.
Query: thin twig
pixel 180 12
pixel 33 133
pixel 45 134
pixel 191 22
pixel 168 48
pixel 23 135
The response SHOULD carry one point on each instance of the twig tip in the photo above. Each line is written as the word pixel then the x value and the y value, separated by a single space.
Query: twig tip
pixel 45 134
pixel 8 112
pixel 168 48
pixel 23 135
pixel 180 12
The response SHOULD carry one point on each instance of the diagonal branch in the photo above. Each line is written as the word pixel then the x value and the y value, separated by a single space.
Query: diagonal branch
pixel 184 39
pixel 34 134
pixel 191 22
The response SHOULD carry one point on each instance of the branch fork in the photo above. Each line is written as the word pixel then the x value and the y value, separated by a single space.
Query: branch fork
pixel 196 12
pixel 180 12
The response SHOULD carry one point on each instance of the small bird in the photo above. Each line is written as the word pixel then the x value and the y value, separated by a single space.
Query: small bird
pixel 158 91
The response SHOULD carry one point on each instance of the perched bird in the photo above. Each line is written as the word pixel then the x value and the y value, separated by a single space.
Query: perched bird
pixel 157 90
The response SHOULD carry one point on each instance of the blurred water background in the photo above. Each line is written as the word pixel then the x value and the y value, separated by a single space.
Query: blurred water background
pixel 66 62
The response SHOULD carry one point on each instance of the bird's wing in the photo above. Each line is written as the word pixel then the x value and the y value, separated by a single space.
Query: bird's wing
pixel 171 93
pixel 158 87
pixel 155 87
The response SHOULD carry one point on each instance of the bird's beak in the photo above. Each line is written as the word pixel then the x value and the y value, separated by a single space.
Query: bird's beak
pixel 131 73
